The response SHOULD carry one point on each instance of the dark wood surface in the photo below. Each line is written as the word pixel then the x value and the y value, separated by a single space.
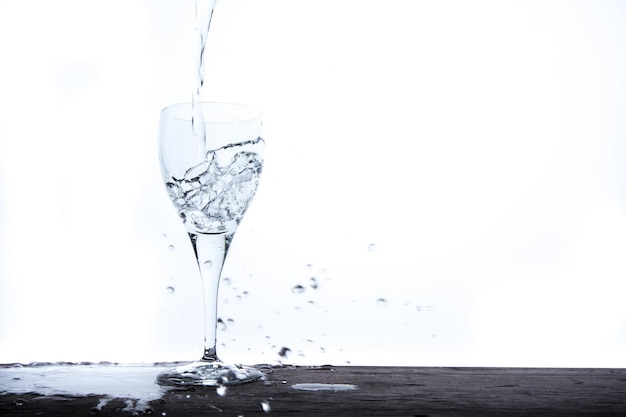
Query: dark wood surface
pixel 377 391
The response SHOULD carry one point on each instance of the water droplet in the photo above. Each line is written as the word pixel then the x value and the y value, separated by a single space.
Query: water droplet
pixel 265 406
pixel 170 290
pixel 371 247
pixel 171 247
pixel 298 289
pixel 313 283
pixel 284 352
pixel 221 324
pixel 207 264
pixel 222 390
pixel 381 301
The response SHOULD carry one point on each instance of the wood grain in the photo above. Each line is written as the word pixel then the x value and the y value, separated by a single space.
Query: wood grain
pixel 379 391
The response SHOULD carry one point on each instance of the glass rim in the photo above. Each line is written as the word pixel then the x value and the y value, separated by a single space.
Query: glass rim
pixel 170 111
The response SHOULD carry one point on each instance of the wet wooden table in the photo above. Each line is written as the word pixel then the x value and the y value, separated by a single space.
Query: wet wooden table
pixel 359 391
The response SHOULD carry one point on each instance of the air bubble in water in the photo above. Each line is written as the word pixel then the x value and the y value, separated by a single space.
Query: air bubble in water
pixel 222 390
pixel 265 406
pixel 322 350
pixel 381 301
pixel 207 264
pixel 371 247
pixel 298 289
pixel 226 281
pixel 313 283
pixel 171 247
pixel 170 290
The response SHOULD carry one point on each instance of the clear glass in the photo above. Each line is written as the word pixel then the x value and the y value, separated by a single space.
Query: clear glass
pixel 211 161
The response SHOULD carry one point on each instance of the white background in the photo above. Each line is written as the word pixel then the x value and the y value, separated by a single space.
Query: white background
pixel 451 173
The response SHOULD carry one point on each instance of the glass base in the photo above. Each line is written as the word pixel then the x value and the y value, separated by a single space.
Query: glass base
pixel 209 374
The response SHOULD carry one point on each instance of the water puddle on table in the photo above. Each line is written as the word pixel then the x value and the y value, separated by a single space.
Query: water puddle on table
pixel 324 387
pixel 136 383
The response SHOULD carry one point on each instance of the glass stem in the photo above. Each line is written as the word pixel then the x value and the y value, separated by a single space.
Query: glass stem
pixel 211 251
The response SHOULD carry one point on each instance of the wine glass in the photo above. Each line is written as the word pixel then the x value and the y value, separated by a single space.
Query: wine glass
pixel 211 162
